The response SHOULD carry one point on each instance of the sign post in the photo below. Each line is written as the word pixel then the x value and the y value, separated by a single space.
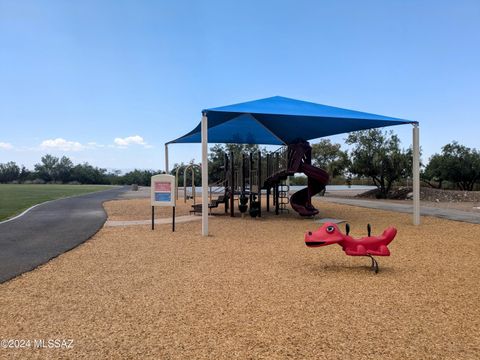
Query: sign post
pixel 162 193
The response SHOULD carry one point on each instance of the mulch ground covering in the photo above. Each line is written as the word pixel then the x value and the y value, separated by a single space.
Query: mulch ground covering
pixel 253 290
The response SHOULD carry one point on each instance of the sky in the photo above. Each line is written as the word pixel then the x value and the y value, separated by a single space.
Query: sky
pixel 109 82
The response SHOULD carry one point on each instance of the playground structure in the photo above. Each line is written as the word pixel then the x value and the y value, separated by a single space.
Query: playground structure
pixel 283 121
pixel 298 160
pixel 185 175
pixel 370 245
pixel 247 178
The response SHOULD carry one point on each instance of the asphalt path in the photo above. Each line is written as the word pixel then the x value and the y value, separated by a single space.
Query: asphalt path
pixel 50 229
pixel 450 214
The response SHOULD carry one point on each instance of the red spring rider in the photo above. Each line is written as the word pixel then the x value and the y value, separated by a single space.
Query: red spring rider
pixel 329 234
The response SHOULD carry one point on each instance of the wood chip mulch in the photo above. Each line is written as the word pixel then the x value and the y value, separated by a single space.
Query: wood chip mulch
pixel 252 290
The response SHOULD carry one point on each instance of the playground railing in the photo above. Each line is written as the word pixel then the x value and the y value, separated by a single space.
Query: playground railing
pixel 217 187
pixel 278 161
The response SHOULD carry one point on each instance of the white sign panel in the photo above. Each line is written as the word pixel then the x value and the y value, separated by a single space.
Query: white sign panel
pixel 162 190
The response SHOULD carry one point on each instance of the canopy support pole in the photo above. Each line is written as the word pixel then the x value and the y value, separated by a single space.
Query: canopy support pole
pixel 416 174
pixel 204 175
pixel 166 159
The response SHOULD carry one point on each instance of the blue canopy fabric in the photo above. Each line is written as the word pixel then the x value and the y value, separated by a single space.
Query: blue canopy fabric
pixel 281 121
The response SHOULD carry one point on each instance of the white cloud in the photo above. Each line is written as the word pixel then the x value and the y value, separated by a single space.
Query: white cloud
pixel 6 146
pixel 94 145
pixel 61 144
pixel 130 140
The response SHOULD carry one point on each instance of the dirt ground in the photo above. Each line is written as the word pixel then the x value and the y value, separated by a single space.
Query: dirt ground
pixel 252 290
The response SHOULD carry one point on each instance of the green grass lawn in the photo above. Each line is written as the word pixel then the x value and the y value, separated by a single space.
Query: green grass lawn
pixel 16 198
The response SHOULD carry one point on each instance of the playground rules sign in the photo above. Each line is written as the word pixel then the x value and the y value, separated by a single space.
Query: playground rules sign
pixel 163 190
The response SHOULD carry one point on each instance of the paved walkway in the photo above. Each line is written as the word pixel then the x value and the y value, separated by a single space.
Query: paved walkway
pixel 449 214
pixel 49 230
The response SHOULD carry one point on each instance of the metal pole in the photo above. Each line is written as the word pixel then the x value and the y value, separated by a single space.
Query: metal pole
pixel 277 205
pixel 185 174
pixel 259 180
pixel 166 158
pixel 232 185
pixel 176 179
pixel 244 171
pixel 416 174
pixel 226 182
pixel 153 217
pixel 173 219
pixel 193 185
pixel 268 188
pixel 204 174
pixel 250 176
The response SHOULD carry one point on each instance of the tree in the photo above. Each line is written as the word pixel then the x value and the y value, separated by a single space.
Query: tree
pixel 300 180
pixel 457 163
pixel 435 172
pixel 52 168
pixel 139 177
pixel 9 172
pixel 217 157
pixel 47 169
pixel 88 174
pixel 25 174
pixel 63 169
pixel 114 177
pixel 216 163
pixel 378 155
pixel 330 157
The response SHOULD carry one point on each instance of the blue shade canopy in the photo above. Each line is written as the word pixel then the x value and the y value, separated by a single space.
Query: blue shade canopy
pixel 279 120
